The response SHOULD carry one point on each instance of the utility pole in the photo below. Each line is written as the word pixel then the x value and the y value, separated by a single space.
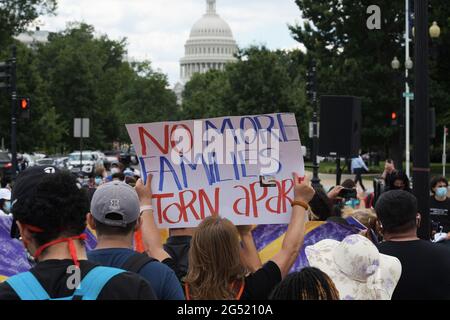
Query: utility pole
pixel 421 169
pixel 444 151
pixel 13 90
pixel 407 92
pixel 312 95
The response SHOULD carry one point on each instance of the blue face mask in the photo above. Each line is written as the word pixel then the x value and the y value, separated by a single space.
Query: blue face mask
pixel 352 203
pixel 441 192
pixel 98 181
pixel 7 207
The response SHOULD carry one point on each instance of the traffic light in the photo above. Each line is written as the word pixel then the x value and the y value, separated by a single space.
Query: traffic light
pixel 24 107
pixel 394 118
pixel 5 75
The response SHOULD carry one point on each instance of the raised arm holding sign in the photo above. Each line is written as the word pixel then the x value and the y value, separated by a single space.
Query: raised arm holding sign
pixel 238 167
pixel 188 186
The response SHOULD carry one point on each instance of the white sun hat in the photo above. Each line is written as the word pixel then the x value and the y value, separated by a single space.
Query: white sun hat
pixel 5 194
pixel 357 268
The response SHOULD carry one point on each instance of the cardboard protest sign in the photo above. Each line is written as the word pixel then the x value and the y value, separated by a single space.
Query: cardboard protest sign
pixel 237 167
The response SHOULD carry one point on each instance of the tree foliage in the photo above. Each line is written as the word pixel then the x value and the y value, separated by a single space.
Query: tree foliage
pixel 354 60
pixel 78 74
pixel 16 15
pixel 261 81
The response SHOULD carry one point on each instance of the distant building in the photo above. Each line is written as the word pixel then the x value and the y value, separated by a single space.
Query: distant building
pixel 210 46
pixel 33 38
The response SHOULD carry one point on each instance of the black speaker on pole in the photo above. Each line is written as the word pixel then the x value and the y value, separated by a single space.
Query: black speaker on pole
pixel 340 126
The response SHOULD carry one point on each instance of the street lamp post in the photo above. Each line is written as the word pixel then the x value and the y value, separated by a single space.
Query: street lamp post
pixel 395 64
pixel 434 32
pixel 408 66
pixel 315 181
pixel 421 169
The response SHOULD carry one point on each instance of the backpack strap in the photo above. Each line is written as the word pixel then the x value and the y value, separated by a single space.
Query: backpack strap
pixel 93 283
pixel 136 262
pixel 27 287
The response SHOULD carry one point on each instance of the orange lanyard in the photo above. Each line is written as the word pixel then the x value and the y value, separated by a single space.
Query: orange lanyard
pixel 238 297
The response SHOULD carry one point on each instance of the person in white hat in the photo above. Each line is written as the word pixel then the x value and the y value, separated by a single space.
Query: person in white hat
pixel 5 202
pixel 357 268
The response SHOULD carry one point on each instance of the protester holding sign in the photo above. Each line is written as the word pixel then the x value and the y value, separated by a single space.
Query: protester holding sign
pixel 216 270
pixel 240 167
pixel 115 216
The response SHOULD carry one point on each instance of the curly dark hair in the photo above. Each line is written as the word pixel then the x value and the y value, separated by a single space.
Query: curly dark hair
pixel 57 206
pixel 308 284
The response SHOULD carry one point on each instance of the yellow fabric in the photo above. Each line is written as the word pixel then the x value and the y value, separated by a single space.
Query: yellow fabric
pixel 274 247
pixel 164 234
pixel 3 278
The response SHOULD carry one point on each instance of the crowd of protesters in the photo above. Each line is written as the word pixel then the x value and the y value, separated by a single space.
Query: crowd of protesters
pixel 217 260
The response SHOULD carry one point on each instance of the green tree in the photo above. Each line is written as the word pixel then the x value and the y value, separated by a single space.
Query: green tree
pixel 85 75
pixel 205 96
pixel 29 84
pixel 353 60
pixel 260 82
pixel 77 74
pixel 146 98
pixel 55 129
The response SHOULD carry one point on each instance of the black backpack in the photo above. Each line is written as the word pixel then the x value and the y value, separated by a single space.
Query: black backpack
pixel 136 262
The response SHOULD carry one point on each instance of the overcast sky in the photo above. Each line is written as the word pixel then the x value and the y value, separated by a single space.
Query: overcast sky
pixel 158 29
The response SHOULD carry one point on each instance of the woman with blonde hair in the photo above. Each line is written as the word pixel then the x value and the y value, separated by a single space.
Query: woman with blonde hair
pixel 223 268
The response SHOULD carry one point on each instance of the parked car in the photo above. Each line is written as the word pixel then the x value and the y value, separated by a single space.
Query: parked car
pixel 100 157
pixel 29 159
pixel 128 156
pixel 110 158
pixel 5 164
pixel 46 162
pixel 39 155
pixel 84 164
pixel 62 162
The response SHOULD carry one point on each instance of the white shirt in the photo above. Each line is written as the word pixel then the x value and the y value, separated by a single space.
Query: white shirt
pixel 358 163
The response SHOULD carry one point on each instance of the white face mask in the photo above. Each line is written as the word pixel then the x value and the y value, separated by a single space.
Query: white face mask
pixel 115 170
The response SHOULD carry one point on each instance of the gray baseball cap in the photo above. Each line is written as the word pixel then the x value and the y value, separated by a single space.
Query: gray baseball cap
pixel 115 197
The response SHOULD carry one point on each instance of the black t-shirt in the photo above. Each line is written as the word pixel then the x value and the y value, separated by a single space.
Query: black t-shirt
pixel 260 284
pixel 440 212
pixel 53 276
pixel 178 249
pixel 389 180
pixel 425 269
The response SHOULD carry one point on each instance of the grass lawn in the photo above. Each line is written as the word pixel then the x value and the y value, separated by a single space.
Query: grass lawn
pixel 330 168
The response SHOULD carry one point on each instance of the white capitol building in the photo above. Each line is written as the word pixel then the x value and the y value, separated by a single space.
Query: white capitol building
pixel 210 46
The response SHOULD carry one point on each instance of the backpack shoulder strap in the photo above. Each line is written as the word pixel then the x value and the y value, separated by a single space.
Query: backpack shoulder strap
pixel 93 283
pixel 27 287
pixel 136 262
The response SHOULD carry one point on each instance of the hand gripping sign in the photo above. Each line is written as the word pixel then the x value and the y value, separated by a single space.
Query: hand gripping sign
pixel 237 167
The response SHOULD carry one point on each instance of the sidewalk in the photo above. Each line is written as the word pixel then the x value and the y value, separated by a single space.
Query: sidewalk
pixel 329 180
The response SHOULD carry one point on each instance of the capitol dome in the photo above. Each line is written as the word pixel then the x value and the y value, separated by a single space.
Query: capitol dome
pixel 211 25
pixel 210 45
